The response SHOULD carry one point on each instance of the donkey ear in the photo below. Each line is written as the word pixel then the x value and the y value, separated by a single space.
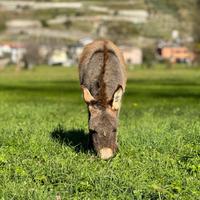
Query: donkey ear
pixel 87 95
pixel 117 97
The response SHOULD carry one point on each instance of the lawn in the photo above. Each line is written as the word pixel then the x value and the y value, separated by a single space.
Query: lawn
pixel 43 137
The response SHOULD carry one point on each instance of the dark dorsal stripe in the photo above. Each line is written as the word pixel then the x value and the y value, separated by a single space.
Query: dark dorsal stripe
pixel 102 98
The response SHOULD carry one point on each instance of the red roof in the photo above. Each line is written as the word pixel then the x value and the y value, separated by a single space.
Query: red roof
pixel 15 45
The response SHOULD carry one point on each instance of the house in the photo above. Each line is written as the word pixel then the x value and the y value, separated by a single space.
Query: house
pixel 5 49
pixel 58 57
pixel 132 55
pixel 176 54
pixel 12 51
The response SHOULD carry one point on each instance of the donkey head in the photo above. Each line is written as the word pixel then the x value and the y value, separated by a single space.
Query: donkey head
pixel 103 122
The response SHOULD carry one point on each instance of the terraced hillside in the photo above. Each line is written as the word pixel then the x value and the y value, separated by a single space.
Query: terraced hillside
pixel 139 22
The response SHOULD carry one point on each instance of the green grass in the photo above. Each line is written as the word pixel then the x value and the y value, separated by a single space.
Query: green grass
pixel 43 136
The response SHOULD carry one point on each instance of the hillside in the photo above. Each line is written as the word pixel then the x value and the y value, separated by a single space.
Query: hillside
pixel 139 22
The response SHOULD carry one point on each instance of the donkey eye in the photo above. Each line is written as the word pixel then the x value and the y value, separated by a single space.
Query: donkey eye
pixel 92 131
pixel 114 130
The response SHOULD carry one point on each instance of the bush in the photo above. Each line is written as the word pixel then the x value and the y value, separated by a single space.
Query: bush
pixel 44 23
pixel 149 56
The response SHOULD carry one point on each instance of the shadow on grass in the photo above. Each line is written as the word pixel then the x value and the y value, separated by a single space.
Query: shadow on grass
pixel 75 138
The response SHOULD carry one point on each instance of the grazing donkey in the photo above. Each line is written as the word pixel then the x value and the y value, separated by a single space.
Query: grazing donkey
pixel 103 80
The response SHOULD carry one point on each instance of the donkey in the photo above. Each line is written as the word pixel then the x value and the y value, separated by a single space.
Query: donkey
pixel 102 77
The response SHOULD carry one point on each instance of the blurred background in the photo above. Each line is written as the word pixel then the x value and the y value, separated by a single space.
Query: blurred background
pixel 54 32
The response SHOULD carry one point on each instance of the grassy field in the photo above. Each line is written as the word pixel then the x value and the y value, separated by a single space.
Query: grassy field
pixel 43 138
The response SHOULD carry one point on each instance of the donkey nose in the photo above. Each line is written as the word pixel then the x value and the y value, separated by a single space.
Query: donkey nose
pixel 106 153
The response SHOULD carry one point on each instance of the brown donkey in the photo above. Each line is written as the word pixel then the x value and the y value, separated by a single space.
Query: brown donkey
pixel 103 81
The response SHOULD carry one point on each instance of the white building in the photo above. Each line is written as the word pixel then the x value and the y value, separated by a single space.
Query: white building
pixel 13 51
pixel 58 57
pixel 132 55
